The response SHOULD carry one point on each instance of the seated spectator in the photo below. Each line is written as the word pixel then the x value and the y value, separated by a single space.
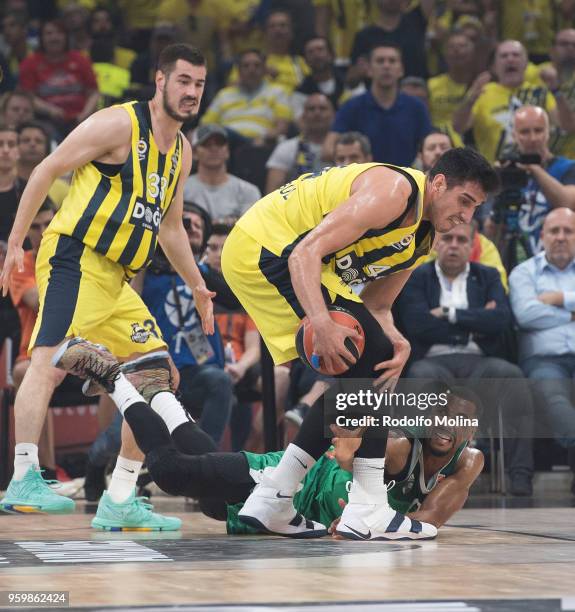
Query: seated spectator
pixel 253 109
pixel 283 67
pixel 111 62
pixel 324 79
pixel 483 250
pixel 394 122
pixel 543 301
pixel 488 108
pixel 104 30
pixel 559 76
pixel 143 68
pixel 340 21
pixel 219 193
pixel 7 81
pixel 396 24
pixel 17 108
pixel 24 295
pixel 11 186
pixel 351 148
pixel 206 389
pixel 62 81
pixel 550 184
pixel 455 314
pixel 446 91
pixel 242 347
pixel 15 34
pixel 302 153
pixel 76 19
pixel 34 146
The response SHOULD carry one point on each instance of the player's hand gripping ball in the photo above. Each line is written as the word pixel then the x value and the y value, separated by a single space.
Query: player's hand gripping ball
pixel 304 341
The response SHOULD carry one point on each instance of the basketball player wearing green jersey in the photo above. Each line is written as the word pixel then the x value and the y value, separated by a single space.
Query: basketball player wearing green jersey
pixel 428 473
pixel 130 163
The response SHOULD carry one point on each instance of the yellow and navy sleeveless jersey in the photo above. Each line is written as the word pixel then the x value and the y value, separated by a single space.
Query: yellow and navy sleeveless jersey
pixel 284 217
pixel 118 213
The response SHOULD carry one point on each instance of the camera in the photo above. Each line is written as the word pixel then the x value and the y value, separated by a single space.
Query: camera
pixel 513 181
pixel 511 176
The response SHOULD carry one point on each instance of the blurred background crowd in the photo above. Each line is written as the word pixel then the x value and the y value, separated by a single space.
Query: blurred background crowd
pixel 293 86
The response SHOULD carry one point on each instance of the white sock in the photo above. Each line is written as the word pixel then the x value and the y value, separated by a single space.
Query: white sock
pixel 292 468
pixel 125 394
pixel 25 455
pixel 124 479
pixel 368 476
pixel 170 409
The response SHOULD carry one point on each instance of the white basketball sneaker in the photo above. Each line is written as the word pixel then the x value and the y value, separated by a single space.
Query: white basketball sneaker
pixel 269 510
pixel 367 518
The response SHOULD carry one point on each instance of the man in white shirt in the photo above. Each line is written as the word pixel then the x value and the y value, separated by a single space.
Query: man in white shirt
pixel 455 314
pixel 220 194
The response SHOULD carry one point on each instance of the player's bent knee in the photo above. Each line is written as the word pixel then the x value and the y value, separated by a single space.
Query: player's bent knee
pixel 164 465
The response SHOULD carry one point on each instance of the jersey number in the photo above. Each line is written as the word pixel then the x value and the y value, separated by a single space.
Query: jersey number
pixel 157 185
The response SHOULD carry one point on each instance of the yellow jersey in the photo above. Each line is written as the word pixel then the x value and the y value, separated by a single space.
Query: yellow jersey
pixel 117 211
pixel 445 97
pixel 279 221
pixel 493 114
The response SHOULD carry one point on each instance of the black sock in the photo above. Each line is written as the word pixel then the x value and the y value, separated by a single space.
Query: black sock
pixel 191 440
pixel 310 437
pixel 148 427
pixel 372 447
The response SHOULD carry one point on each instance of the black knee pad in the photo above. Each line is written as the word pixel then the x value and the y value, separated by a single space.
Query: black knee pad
pixel 191 440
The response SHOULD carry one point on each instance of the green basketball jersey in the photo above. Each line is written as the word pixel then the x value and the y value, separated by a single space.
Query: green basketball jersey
pixel 408 494
pixel 326 482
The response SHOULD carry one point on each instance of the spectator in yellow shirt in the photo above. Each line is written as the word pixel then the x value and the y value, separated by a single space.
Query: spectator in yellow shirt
pixel 446 91
pixel 253 109
pixel 489 107
pixel 559 76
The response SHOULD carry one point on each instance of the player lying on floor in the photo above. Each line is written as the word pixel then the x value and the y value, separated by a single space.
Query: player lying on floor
pixel 432 474
pixel 428 476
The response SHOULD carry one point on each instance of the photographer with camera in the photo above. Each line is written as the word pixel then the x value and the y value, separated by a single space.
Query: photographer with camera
pixel 534 181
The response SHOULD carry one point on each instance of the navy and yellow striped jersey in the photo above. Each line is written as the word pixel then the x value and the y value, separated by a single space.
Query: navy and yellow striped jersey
pixel 118 214
pixel 284 217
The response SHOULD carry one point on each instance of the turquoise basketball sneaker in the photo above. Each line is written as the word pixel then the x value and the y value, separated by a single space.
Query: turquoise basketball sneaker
pixel 33 494
pixel 132 515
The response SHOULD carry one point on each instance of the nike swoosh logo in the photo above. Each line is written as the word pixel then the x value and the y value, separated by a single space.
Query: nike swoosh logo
pixel 304 466
pixel 131 471
pixel 365 536
pixel 371 467
pixel 280 496
pixel 22 454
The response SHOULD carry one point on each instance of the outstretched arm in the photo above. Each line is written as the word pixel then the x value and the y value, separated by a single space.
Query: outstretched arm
pixel 450 494
pixel 96 137
pixel 175 244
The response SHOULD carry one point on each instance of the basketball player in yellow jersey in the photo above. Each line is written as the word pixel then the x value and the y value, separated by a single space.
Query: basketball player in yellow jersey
pixel 130 163
pixel 303 247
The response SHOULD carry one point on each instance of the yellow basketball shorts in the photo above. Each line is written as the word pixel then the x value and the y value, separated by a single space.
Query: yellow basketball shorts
pixel 83 293
pixel 261 281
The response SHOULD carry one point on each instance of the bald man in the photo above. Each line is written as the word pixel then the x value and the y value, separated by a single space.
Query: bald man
pixel 542 292
pixel 551 184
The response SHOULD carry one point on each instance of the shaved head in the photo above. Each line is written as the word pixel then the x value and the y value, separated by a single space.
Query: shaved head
pixel 531 131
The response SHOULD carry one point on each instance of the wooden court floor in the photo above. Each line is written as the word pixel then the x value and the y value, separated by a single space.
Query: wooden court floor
pixel 488 558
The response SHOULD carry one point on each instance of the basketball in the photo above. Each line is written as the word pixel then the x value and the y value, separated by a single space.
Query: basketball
pixel 304 340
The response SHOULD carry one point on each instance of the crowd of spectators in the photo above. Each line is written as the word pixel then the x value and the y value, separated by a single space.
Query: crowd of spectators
pixel 294 86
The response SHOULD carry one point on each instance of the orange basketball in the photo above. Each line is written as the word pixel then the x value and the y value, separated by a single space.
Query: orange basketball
pixel 304 340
